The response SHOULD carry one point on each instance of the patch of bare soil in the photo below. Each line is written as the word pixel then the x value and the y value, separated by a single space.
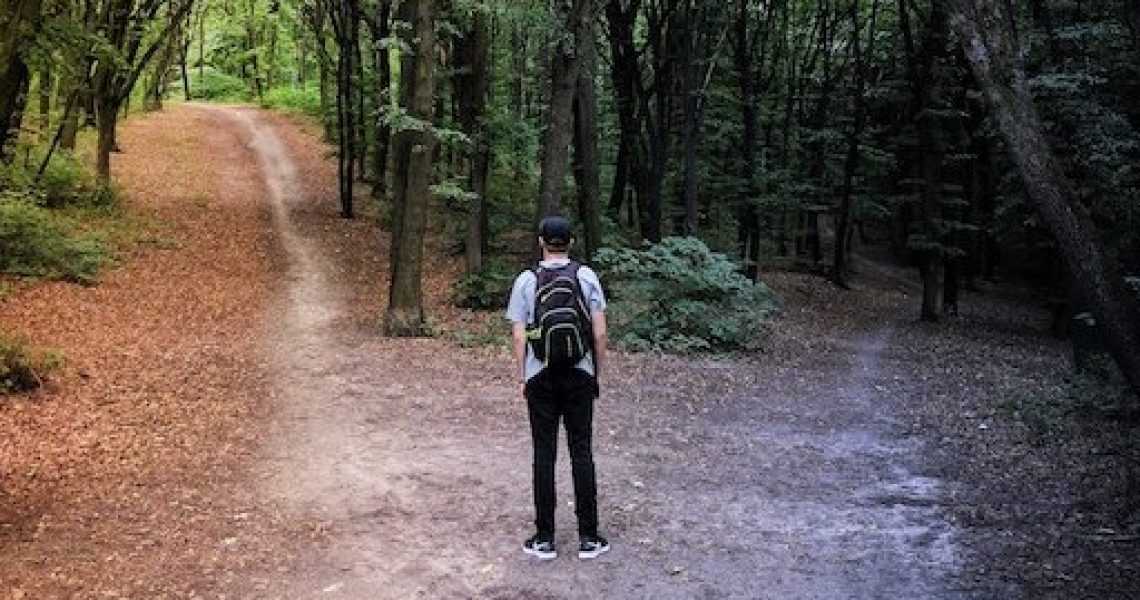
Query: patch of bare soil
pixel 244 430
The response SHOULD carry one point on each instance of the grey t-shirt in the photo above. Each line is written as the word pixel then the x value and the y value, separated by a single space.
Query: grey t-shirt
pixel 520 309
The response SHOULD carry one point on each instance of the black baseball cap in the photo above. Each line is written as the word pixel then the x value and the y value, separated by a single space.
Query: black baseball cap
pixel 555 230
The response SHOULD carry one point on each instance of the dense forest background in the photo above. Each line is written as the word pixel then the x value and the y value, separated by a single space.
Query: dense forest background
pixel 972 140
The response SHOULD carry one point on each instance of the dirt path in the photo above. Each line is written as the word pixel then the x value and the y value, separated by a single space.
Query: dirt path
pixel 714 482
pixel 267 442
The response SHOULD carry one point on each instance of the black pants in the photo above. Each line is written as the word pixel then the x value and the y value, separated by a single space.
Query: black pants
pixel 569 395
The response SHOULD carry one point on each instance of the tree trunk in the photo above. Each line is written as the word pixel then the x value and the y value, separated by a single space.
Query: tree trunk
pixel 382 81
pixel 252 27
pixel 557 134
pixel 106 119
pixel 625 76
pixel 405 308
pixel 845 226
pixel 586 147
pixel 202 44
pixel 925 95
pixel 19 19
pixel 345 27
pixel 995 59
pixel 45 102
pixel 357 90
pixel 69 127
pixel 184 69
pixel 690 125
pixel 472 83
pixel 663 29
pixel 748 226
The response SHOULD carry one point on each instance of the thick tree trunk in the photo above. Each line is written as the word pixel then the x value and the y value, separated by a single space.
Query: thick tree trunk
pixel 661 36
pixel 586 147
pixel 405 307
pixel 472 88
pixel 106 118
pixel 625 76
pixel 985 31
pixel 557 134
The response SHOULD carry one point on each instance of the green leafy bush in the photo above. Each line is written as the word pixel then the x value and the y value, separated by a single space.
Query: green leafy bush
pixel 21 369
pixel 306 101
pixel 679 296
pixel 485 289
pixel 37 242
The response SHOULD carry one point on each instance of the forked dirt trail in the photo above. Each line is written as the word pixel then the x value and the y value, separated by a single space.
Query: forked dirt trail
pixel 237 426
pixel 718 478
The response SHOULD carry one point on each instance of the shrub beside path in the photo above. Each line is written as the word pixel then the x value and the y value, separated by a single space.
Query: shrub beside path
pixel 235 425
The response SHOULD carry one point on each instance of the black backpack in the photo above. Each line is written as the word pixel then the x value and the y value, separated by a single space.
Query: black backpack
pixel 562 333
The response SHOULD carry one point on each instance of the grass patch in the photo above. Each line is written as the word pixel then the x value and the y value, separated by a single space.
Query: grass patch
pixel 41 243
pixel 23 369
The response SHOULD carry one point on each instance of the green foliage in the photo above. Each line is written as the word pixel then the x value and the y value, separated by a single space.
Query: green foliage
pixel 219 87
pixel 22 369
pixel 305 101
pixel 65 182
pixel 679 296
pixel 485 289
pixel 38 242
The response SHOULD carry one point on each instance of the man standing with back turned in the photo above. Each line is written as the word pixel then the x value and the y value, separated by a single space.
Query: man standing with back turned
pixel 558 330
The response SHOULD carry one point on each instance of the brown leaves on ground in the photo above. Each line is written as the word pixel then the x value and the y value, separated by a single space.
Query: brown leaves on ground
pixel 126 473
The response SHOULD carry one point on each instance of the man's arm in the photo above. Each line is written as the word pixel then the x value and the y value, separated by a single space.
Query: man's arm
pixel 518 343
pixel 598 323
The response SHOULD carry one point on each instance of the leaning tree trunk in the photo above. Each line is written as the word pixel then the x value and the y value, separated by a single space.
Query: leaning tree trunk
pixel 994 56
pixel 405 307
pixel 565 63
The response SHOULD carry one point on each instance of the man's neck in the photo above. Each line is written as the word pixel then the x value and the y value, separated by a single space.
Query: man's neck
pixel 554 256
